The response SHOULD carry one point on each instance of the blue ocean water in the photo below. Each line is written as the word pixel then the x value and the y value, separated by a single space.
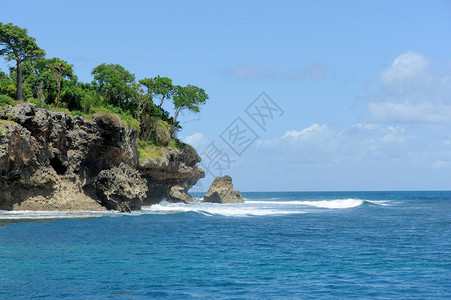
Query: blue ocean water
pixel 284 245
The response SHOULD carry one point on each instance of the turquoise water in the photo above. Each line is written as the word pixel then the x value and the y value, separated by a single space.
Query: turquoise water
pixel 365 245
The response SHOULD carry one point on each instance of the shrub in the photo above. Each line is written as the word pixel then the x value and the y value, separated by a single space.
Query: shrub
pixel 177 144
pixel 162 134
pixel 108 118
pixel 123 116
pixel 35 101
pixel 155 129
pixel 6 100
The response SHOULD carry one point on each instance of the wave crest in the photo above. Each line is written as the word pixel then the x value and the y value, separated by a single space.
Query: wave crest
pixel 333 204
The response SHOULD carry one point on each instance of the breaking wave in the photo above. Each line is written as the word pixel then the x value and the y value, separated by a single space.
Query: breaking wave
pixel 270 207
pixel 210 209
pixel 337 203
pixel 49 215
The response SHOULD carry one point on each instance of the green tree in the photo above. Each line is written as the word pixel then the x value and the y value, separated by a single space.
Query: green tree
pixel 149 83
pixel 161 87
pixel 57 69
pixel 17 45
pixel 188 98
pixel 51 81
pixel 115 84
pixel 7 86
pixel 140 99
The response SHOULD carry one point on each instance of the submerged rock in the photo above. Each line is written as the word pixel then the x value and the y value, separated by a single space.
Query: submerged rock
pixel 222 191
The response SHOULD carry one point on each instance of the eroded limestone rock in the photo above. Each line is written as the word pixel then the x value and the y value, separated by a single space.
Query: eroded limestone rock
pixel 222 191
pixel 55 161
pixel 121 188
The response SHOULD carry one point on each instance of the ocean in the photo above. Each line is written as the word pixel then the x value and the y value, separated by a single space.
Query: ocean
pixel 276 245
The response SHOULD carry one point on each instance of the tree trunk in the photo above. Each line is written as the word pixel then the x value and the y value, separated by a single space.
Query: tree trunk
pixel 19 95
pixel 161 103
pixel 174 121
pixel 58 85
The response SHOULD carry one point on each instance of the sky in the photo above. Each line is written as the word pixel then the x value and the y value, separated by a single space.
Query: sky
pixel 304 95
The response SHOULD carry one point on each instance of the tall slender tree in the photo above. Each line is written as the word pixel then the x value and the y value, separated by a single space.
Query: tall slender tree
pixel 189 98
pixel 59 69
pixel 17 45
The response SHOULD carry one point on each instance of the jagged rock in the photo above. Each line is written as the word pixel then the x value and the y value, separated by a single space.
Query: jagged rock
pixel 172 168
pixel 48 158
pixel 52 161
pixel 222 191
pixel 179 193
pixel 121 188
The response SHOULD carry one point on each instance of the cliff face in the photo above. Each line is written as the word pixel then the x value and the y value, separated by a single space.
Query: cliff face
pixel 53 161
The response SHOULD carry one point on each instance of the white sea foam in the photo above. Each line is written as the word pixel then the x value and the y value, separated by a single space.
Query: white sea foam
pixel 211 209
pixel 333 204
pixel 247 209
pixel 381 202
pixel 46 215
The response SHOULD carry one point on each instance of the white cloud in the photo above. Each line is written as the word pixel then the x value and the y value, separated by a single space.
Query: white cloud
pixel 404 67
pixel 311 131
pixel 410 92
pixel 360 154
pixel 359 141
pixel 197 140
pixel 403 141
pixel 395 134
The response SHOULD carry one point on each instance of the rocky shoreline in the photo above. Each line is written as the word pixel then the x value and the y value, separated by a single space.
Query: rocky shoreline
pixel 55 161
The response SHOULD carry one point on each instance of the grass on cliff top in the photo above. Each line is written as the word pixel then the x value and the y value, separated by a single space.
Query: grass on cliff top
pixel 126 118
pixel 109 112
pixel 3 124
pixel 151 150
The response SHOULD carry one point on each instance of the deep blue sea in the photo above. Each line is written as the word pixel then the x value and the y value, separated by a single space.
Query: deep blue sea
pixel 281 245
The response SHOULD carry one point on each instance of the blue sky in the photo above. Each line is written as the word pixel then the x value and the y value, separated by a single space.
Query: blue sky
pixel 363 87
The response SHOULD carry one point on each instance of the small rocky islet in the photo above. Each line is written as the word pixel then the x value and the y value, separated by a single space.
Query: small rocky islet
pixel 55 161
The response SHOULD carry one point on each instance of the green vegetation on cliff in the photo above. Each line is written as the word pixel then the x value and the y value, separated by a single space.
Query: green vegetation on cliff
pixel 114 92
pixel 4 123
pixel 151 150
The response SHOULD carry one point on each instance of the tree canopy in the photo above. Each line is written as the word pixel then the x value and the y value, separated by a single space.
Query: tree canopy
pixel 189 98
pixel 17 45
pixel 51 83
pixel 114 83
pixel 161 87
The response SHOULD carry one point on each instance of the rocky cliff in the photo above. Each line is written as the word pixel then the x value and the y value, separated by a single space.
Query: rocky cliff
pixel 55 161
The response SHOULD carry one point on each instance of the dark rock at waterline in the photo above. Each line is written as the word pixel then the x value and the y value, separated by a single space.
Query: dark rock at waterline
pixel 222 191
pixel 121 188
pixel 179 193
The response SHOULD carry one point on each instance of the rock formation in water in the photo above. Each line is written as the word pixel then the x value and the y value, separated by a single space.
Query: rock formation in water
pixel 55 161
pixel 222 191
